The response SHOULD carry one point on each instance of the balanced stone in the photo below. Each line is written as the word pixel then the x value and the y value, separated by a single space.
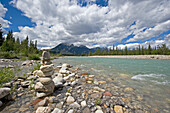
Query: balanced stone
pixel 45 74
pixel 45 88
pixel 46 68
pixel 46 55
pixel 45 80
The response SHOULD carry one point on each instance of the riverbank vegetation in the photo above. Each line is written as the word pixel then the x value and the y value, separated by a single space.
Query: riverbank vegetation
pixel 140 50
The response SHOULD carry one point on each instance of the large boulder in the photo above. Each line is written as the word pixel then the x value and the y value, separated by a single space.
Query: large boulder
pixel 4 92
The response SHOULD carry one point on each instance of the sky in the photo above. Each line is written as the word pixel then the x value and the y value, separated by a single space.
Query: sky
pixel 93 23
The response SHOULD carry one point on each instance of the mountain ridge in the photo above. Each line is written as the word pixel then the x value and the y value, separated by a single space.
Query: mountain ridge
pixel 71 49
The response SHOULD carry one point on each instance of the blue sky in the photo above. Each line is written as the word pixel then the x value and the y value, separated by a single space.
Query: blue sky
pixel 93 23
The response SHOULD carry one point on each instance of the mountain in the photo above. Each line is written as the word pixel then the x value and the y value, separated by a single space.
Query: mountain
pixel 70 49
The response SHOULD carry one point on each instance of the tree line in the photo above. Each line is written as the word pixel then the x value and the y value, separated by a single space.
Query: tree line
pixel 140 50
pixel 10 45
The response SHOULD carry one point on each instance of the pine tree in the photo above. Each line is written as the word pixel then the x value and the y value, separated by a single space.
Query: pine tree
pixel 139 50
pixel 1 36
pixel 126 50
pixel 149 49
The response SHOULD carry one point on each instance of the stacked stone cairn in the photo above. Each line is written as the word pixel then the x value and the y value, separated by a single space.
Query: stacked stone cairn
pixel 45 86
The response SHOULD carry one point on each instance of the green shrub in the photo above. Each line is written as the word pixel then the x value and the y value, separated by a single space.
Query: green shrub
pixel 37 67
pixel 34 57
pixel 6 75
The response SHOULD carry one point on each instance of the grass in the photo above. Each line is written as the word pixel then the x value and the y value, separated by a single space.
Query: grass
pixel 34 57
pixel 37 67
pixel 6 75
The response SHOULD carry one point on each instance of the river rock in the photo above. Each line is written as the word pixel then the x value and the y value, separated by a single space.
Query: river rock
pixel 57 110
pixel 71 111
pixel 46 55
pixel 31 77
pixel 46 87
pixel 86 110
pixel 74 105
pixel 66 65
pixel 118 109
pixel 128 89
pixel 98 111
pixel 107 93
pixel 42 94
pixel 1 103
pixel 26 63
pixel 46 68
pixel 4 92
pixel 63 71
pixel 43 110
pixel 25 83
pixel 70 99
pixel 83 103
pixel 41 103
pixel 45 80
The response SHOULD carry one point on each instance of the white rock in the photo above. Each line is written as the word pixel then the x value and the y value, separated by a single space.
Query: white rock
pixel 83 103
pixel 31 78
pixel 71 111
pixel 4 92
pixel 57 110
pixel 98 111
pixel 42 94
pixel 62 71
pixel 43 110
pixel 66 65
pixel 72 75
pixel 73 83
pixel 70 99
pixel 74 105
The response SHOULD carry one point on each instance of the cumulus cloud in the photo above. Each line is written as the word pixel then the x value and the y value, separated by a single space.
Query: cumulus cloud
pixel 60 21
pixel 4 23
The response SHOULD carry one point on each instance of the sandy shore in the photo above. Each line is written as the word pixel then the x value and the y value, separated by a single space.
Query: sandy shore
pixel 136 56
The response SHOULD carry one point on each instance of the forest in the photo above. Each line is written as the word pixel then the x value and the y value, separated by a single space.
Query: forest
pixel 14 48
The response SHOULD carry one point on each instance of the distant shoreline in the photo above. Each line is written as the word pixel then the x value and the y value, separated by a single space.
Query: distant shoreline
pixel 167 57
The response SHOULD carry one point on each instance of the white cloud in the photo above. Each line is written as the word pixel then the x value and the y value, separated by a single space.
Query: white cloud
pixel 64 21
pixel 4 23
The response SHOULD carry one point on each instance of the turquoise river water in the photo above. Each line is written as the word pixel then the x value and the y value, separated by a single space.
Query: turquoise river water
pixel 148 77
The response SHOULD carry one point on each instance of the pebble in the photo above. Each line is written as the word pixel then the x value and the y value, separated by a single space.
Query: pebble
pixel 71 111
pixel 83 103
pixel 98 111
pixel 86 110
pixel 57 110
pixel 118 109
pixel 70 99
pixel 74 105
pixel 43 110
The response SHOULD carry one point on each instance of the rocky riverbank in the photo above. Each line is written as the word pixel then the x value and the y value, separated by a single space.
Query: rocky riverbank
pixel 75 92
pixel 136 56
